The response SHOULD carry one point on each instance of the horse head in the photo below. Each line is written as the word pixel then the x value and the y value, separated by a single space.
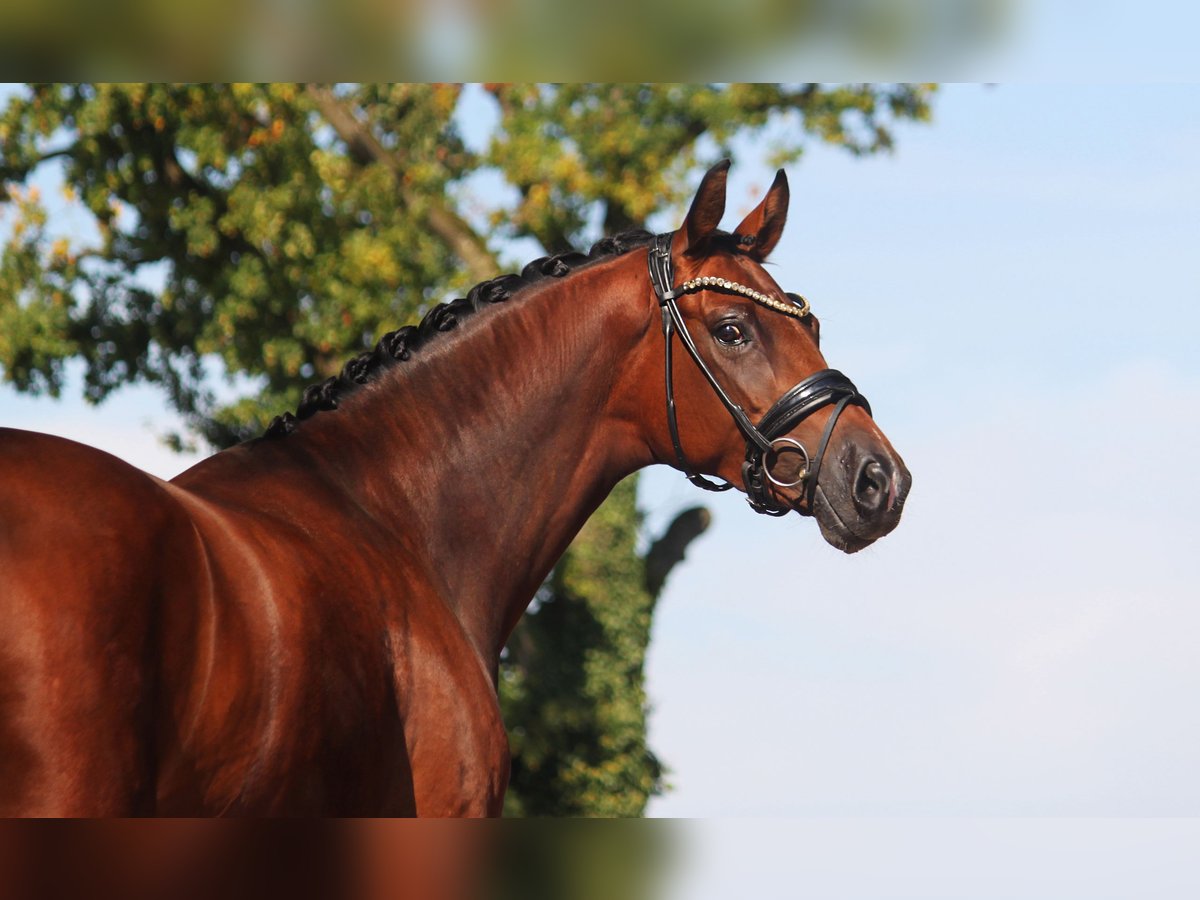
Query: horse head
pixel 760 407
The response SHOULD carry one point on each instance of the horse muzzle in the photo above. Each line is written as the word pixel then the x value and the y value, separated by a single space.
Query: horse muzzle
pixel 861 494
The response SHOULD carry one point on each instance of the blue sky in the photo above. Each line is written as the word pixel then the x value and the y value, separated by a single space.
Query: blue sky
pixel 1001 694
pixel 1016 291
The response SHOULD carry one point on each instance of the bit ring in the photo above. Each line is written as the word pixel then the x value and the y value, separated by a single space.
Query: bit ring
pixel 794 444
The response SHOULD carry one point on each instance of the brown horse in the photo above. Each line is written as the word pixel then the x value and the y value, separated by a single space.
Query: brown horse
pixel 311 622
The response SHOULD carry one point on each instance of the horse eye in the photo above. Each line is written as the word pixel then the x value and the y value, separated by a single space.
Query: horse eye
pixel 729 334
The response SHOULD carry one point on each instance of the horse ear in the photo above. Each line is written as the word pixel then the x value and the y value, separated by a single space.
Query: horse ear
pixel 765 222
pixel 705 214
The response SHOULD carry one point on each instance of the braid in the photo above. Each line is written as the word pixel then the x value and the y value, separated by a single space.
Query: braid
pixel 398 346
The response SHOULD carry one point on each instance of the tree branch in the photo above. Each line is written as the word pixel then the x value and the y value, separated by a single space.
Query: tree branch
pixel 617 219
pixel 365 148
pixel 21 172
pixel 668 551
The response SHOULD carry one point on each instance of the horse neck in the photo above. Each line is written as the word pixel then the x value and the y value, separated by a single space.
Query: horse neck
pixel 496 441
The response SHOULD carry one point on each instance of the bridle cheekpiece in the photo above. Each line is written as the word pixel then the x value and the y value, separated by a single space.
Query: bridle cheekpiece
pixel 766 439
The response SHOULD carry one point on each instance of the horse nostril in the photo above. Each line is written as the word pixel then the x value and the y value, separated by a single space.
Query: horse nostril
pixel 871 487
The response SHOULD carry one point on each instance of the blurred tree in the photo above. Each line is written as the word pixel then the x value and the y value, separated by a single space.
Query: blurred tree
pixel 243 240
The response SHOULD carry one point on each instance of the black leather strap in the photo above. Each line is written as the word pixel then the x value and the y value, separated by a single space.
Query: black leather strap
pixel 673 420
pixel 817 390
pixel 663 278
pixel 814 471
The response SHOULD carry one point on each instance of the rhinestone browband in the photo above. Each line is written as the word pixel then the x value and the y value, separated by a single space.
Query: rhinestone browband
pixel 799 310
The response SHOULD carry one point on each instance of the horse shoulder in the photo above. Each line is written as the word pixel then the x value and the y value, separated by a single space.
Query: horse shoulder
pixel 283 685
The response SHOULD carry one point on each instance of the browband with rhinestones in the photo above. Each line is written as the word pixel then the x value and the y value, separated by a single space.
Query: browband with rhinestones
pixel 799 310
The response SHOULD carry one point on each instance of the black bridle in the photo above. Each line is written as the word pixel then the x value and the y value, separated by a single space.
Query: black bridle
pixel 824 388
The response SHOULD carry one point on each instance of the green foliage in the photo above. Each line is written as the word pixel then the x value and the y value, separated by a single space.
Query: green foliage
pixel 587 638
pixel 283 252
pixel 632 149
pixel 242 240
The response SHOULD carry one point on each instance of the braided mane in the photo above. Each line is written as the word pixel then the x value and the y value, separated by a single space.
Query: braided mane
pixel 398 346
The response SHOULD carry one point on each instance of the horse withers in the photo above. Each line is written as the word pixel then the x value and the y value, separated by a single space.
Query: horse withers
pixel 311 622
